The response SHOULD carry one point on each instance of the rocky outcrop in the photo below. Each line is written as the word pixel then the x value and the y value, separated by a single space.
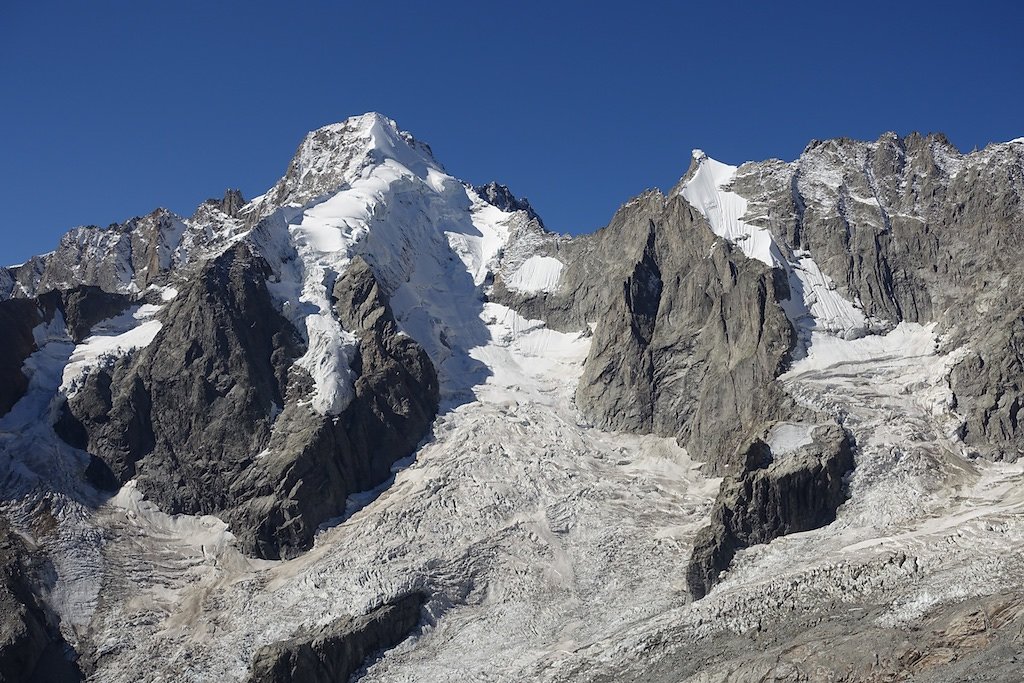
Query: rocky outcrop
pixel 335 651
pixel 124 258
pixel 81 308
pixel 916 231
pixel 196 404
pixel 231 204
pixel 31 647
pixel 209 418
pixel 500 196
pixel 777 494
pixel 689 334
pixel 84 306
pixel 18 317
pixel 313 462
pixel 988 384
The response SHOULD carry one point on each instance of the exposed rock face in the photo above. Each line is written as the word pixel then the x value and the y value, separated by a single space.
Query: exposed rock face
pixel 81 308
pixel 989 386
pixel 335 651
pixel 125 257
pixel 205 387
pixel 17 319
pixel 31 647
pixel 916 231
pixel 86 305
pixel 500 196
pixel 313 463
pixel 192 416
pixel 689 333
pixel 231 204
pixel 396 394
pixel 773 497
pixel 908 227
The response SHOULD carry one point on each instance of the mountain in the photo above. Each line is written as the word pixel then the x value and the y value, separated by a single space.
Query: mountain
pixel 766 424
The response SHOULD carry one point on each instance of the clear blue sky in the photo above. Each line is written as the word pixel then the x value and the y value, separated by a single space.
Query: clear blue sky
pixel 110 109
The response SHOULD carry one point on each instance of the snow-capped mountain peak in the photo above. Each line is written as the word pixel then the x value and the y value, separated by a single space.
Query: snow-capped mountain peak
pixel 334 156
pixel 364 188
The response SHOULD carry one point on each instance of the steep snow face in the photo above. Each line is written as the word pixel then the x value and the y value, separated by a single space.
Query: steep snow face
pixel 724 210
pixel 536 274
pixel 814 305
pixel 431 241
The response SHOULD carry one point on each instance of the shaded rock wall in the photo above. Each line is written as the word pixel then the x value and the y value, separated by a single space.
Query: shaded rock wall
pixel 81 308
pixel 17 320
pixel 335 651
pixel 773 497
pixel 31 647
pixel 210 418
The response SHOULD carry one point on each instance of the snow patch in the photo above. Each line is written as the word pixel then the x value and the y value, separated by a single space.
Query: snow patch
pixel 724 209
pixel 206 533
pixel 826 351
pixel 167 293
pixel 111 339
pixel 816 305
pixel 527 360
pixel 787 437
pixel 537 274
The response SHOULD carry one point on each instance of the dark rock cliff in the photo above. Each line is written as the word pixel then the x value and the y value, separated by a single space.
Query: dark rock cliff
pixel 335 651
pixel 774 496
pixel 17 319
pixel 313 463
pixel 31 646
pixel 209 418
pixel 81 308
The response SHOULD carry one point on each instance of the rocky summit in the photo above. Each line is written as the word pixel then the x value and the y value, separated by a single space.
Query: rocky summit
pixel 382 424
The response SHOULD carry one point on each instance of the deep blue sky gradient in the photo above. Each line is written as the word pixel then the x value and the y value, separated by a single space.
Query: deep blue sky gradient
pixel 110 109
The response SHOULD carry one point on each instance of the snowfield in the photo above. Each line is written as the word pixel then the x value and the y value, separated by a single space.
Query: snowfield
pixel 537 274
